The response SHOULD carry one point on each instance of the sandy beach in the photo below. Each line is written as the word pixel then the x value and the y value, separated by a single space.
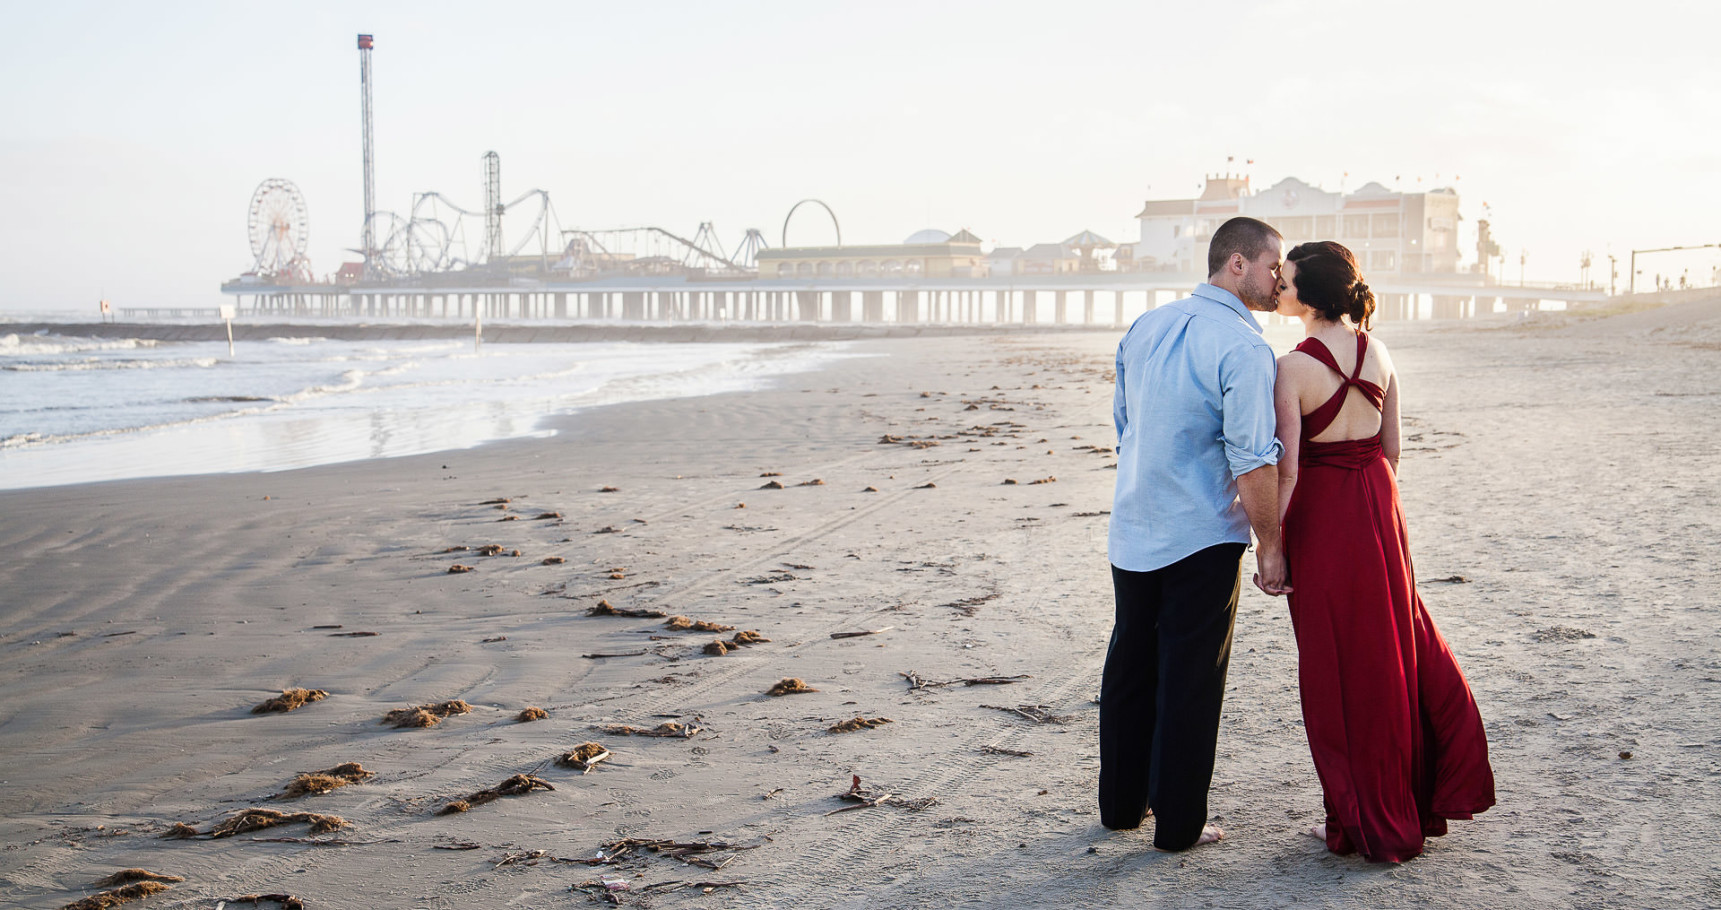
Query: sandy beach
pixel 948 494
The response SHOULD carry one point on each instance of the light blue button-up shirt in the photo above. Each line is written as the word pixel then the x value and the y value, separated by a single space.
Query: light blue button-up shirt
pixel 1194 411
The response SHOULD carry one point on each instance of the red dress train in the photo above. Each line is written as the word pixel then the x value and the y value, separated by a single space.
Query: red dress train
pixel 1395 734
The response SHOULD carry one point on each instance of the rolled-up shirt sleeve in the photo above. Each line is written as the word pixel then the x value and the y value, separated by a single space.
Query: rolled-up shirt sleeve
pixel 1250 422
pixel 1119 407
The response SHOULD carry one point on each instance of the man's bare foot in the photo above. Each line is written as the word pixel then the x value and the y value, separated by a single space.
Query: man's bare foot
pixel 1210 834
pixel 1319 832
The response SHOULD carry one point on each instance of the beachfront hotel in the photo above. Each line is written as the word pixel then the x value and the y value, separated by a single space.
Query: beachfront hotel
pixel 1390 232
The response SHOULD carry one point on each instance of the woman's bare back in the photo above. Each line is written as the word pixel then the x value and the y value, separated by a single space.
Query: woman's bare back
pixel 1315 384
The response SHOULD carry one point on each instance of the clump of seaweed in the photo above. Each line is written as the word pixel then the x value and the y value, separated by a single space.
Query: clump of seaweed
pixel 247 820
pixel 668 729
pixel 790 685
pixel 605 608
pixel 545 516
pixel 771 485
pixel 179 831
pixel 531 713
pixel 584 756
pixel 287 901
pixel 127 876
pixel 125 895
pixel 680 623
pixel 747 637
pixel 426 715
pixel 329 779
pixel 290 700
pixel 717 648
pixel 553 560
pixel 518 785
pixel 860 723
pixel 457 569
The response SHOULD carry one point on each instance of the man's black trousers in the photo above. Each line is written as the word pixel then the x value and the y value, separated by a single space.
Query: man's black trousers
pixel 1163 688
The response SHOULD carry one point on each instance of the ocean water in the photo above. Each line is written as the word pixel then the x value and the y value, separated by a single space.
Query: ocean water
pixel 79 409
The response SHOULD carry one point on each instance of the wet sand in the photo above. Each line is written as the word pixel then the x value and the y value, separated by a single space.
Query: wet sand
pixel 1556 479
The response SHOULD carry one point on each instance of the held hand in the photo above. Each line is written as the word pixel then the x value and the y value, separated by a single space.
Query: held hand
pixel 1270 575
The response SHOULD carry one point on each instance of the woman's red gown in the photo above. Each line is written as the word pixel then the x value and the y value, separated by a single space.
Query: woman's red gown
pixel 1395 734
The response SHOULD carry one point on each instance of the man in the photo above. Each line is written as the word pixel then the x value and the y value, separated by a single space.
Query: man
pixel 1197 469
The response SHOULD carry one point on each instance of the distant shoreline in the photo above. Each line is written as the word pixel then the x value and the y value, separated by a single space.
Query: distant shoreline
pixel 518 333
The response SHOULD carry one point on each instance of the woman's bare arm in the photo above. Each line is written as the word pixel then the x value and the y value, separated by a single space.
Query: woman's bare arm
pixel 1288 407
pixel 1390 439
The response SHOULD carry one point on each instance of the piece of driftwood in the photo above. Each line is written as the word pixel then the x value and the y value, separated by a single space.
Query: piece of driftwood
pixel 868 797
pixel 916 681
pixel 600 655
pixel 691 852
pixel 706 887
pixel 859 634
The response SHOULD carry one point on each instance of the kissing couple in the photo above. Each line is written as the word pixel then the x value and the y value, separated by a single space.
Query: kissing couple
pixel 1216 439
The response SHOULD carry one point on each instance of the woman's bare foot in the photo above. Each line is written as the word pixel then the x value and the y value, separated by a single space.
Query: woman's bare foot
pixel 1319 832
pixel 1210 834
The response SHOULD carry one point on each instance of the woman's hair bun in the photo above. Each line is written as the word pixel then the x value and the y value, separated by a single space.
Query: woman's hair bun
pixel 1362 304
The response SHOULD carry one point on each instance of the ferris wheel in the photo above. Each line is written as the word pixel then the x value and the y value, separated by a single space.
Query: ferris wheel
pixel 279 228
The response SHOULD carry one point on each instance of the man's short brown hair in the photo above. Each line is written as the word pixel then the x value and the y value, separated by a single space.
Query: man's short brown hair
pixel 1239 235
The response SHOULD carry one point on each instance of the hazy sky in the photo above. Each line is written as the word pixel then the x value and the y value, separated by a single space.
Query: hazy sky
pixel 134 134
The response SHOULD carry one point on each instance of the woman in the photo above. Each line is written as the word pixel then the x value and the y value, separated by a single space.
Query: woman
pixel 1395 734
